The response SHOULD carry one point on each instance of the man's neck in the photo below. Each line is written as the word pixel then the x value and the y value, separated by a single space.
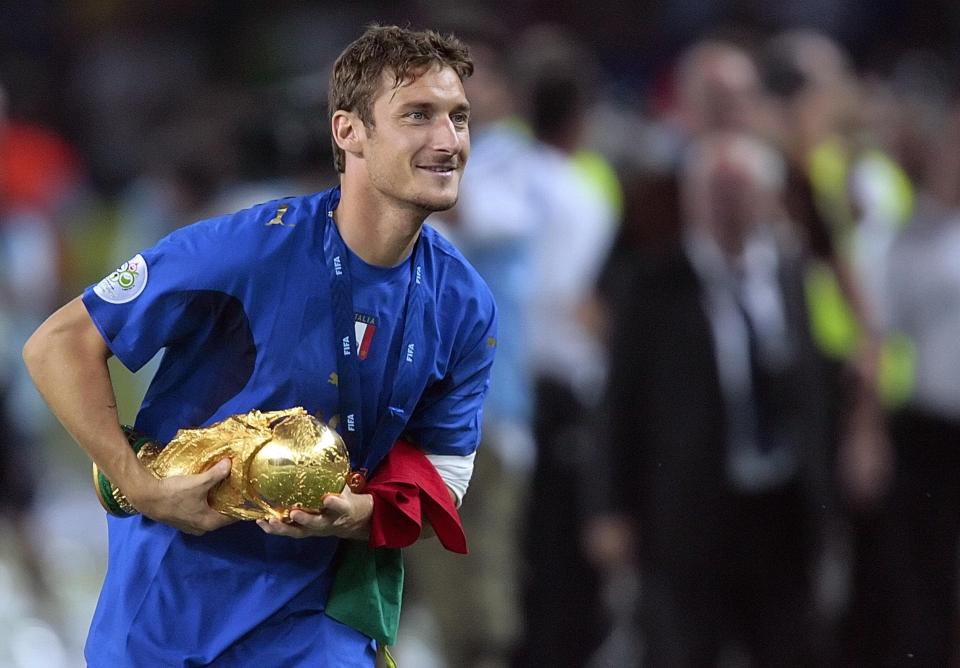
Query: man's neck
pixel 377 232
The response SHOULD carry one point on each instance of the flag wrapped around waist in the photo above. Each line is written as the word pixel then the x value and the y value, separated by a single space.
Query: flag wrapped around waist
pixel 368 586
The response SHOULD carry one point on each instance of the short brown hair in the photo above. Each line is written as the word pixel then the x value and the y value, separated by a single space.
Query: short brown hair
pixel 406 53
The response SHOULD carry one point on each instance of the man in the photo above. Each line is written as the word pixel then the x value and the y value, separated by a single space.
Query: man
pixel 342 302
pixel 917 611
pixel 562 617
pixel 714 418
pixel 718 89
pixel 37 169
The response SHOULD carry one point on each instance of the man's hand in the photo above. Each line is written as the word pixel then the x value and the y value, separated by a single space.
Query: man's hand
pixel 181 501
pixel 344 515
pixel 608 541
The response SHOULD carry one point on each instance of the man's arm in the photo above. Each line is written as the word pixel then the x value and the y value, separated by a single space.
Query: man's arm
pixel 67 360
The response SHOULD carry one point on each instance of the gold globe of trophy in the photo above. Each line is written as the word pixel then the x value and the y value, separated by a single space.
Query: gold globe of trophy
pixel 280 461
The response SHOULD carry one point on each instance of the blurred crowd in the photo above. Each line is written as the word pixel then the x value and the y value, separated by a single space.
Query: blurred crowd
pixel 724 423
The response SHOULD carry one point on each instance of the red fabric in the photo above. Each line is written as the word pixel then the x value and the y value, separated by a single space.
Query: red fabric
pixel 37 167
pixel 406 488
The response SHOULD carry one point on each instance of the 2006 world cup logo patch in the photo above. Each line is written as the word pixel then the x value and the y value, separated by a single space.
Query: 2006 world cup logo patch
pixel 125 284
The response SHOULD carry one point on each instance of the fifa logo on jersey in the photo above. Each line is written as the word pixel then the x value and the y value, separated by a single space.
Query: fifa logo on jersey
pixel 351 423
pixel 346 346
pixel 337 267
pixel 419 274
pixel 410 353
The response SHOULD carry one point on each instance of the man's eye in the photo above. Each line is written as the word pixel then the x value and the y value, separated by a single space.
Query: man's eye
pixel 460 119
pixel 417 116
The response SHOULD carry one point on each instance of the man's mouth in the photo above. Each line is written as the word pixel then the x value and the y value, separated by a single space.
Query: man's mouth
pixel 439 169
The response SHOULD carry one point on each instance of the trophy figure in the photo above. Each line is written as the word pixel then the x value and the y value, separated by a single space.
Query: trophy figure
pixel 280 461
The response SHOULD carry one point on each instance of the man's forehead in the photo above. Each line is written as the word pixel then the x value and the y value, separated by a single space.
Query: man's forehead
pixel 434 80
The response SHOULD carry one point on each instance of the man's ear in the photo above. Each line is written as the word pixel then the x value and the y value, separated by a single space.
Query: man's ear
pixel 348 131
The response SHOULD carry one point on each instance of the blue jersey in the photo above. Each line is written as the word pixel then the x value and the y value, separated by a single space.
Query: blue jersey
pixel 243 306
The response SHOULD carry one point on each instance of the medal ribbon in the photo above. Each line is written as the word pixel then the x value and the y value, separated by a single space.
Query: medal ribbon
pixel 365 454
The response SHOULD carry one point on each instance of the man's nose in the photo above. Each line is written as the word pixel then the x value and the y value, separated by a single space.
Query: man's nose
pixel 447 137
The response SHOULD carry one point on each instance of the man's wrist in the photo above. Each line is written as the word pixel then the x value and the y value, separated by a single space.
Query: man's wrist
pixel 367 504
pixel 139 485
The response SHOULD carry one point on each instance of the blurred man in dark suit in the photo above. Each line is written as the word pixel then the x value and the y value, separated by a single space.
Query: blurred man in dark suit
pixel 714 408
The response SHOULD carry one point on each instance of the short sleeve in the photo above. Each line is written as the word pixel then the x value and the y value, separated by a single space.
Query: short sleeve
pixel 447 420
pixel 146 303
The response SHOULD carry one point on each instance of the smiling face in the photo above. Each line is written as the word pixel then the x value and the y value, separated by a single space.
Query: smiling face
pixel 415 150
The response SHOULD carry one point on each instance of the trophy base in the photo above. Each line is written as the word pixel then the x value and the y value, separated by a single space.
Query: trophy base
pixel 109 496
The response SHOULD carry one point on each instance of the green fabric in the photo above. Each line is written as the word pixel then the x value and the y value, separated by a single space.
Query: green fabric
pixel 896 198
pixel 388 660
pixel 602 176
pixel 367 590
pixel 829 174
pixel 896 374
pixel 832 322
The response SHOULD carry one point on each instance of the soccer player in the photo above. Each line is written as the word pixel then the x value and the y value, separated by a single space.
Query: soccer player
pixel 343 302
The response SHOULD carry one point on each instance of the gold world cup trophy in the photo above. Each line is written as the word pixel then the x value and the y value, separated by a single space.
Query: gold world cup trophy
pixel 280 461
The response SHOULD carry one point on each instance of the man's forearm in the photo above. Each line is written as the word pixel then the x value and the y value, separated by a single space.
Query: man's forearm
pixel 67 360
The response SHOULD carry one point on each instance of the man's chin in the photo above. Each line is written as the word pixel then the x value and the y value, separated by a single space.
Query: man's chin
pixel 435 204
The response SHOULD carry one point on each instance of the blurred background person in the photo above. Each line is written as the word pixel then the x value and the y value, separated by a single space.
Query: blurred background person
pixel 715 420
pixel 575 224
pixel 39 172
pixel 915 615
pixel 718 88
pixel 850 197
pixel 816 98
pixel 713 86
